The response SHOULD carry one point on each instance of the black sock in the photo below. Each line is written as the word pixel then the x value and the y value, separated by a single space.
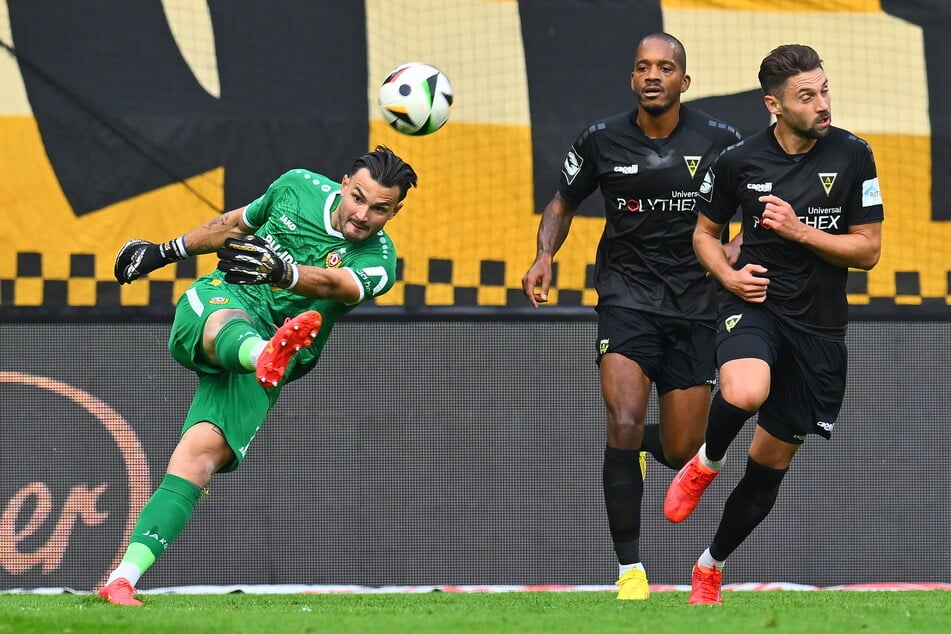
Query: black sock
pixel 653 446
pixel 623 490
pixel 724 423
pixel 748 505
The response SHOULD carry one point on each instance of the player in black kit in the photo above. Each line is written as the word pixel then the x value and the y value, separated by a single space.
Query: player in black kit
pixel 656 306
pixel 811 209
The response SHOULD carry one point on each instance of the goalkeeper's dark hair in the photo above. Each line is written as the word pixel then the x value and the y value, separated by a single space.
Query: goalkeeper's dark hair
pixel 784 62
pixel 387 169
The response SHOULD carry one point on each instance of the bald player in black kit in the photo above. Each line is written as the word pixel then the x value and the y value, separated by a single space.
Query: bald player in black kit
pixel 656 306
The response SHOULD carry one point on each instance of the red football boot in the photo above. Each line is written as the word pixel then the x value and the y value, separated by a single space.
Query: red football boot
pixel 119 592
pixel 685 489
pixel 705 586
pixel 296 333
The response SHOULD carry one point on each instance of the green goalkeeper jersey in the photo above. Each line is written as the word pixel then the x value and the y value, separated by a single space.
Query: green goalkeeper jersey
pixel 293 216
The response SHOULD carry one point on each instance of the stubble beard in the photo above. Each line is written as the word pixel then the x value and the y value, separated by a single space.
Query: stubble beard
pixel 657 109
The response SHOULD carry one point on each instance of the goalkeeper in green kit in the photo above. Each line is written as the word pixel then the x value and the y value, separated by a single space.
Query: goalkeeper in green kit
pixel 290 263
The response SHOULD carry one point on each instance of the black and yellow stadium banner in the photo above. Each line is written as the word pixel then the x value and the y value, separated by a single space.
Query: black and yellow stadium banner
pixel 121 120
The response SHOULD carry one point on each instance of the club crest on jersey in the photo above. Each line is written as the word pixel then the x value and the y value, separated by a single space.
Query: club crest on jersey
pixel 603 345
pixel 218 301
pixel 827 179
pixel 334 260
pixel 731 321
pixel 693 162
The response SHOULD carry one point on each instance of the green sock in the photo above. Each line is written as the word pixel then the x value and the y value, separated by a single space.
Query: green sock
pixel 162 520
pixel 140 555
pixel 234 344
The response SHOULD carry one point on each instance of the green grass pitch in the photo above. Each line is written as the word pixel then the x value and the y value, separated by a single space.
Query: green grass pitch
pixel 812 612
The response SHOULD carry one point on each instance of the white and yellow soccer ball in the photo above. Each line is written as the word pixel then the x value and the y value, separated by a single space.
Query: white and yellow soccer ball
pixel 416 99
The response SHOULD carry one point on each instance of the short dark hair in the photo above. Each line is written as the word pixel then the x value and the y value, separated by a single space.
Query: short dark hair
pixel 784 62
pixel 387 169
pixel 680 53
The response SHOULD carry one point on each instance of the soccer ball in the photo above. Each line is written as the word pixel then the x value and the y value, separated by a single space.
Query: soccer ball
pixel 416 99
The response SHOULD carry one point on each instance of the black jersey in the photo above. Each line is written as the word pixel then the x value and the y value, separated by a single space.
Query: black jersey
pixel 645 259
pixel 832 187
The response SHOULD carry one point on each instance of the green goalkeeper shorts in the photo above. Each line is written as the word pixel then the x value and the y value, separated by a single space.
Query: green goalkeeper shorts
pixel 233 402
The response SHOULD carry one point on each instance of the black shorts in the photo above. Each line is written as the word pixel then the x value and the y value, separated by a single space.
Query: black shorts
pixel 807 372
pixel 674 353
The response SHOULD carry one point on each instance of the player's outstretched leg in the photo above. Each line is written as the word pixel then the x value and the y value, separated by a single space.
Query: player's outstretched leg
pixel 119 592
pixel 686 488
pixel 296 333
pixel 705 586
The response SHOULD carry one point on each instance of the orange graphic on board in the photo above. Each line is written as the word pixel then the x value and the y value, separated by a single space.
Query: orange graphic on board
pixel 81 502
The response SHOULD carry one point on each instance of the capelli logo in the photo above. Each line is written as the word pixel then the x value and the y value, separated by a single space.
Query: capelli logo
pixel 65 514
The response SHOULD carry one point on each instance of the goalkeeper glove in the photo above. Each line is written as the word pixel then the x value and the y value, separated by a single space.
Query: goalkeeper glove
pixel 249 260
pixel 140 257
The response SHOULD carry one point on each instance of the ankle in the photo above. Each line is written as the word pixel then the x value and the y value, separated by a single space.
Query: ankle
pixel 706 461
pixel 707 561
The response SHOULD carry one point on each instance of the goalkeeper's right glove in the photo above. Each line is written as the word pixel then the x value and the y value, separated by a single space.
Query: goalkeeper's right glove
pixel 250 260
pixel 140 257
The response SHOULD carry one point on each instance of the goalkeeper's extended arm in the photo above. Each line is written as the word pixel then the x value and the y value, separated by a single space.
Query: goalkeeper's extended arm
pixel 137 258
pixel 249 260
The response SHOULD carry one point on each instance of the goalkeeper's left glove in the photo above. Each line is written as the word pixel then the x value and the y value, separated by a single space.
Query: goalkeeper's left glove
pixel 249 260
pixel 140 257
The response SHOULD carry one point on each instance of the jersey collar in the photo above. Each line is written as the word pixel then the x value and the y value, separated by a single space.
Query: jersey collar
pixel 795 158
pixel 632 119
pixel 333 200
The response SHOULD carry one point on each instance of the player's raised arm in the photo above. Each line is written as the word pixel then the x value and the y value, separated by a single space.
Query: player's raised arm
pixel 137 258
pixel 211 236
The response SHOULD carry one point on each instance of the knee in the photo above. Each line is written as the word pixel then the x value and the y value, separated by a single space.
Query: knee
pixel 746 397
pixel 200 453
pixel 745 386
pixel 679 453
pixel 625 428
pixel 214 325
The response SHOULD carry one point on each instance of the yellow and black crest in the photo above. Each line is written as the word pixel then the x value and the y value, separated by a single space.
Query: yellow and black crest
pixel 827 179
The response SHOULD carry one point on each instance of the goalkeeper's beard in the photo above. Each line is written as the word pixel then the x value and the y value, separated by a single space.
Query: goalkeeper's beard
pixel 354 233
pixel 351 231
